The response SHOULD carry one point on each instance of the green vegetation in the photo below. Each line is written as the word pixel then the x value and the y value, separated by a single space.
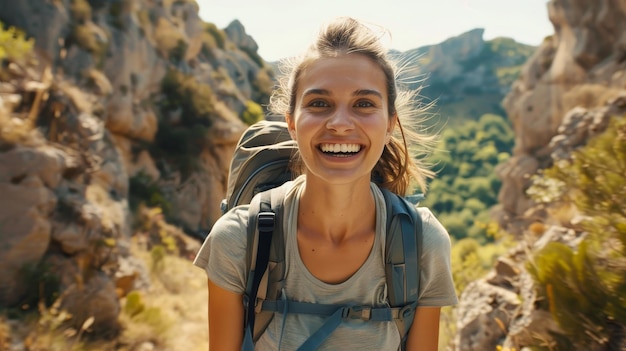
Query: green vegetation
pixel 512 55
pixel 84 33
pixel 80 10
pixel 186 115
pixel 144 322
pixel 480 84
pixel 170 41
pixel 152 317
pixel 14 45
pixel 262 84
pixel 506 51
pixel 194 98
pixel 84 36
pixel 470 107
pixel 42 285
pixel 466 185
pixel 585 287
pixel 143 190
pixel 253 113
pixel 117 9
pixel 218 35
pixel 471 260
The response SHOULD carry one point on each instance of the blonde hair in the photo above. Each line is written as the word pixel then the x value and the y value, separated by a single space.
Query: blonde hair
pixel 402 162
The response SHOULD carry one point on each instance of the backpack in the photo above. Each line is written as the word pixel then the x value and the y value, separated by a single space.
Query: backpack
pixel 259 175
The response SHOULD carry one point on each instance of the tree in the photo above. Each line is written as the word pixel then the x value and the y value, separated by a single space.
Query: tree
pixel 465 162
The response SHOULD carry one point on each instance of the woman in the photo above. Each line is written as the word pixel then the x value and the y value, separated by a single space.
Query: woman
pixel 344 110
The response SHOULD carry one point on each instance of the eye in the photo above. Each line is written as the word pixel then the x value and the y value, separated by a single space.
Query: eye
pixel 364 103
pixel 318 103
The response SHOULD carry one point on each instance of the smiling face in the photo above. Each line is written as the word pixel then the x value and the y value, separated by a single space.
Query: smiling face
pixel 341 120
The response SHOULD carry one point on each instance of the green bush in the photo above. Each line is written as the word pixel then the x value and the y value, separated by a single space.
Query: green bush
pixel 178 52
pixel 179 140
pixel 217 34
pixel 472 260
pixel 466 186
pixel 253 113
pixel 14 45
pixel 42 282
pixel 194 98
pixel 585 288
pixel 80 10
pixel 142 189
pixel 134 303
pixel 170 41
pixel 86 39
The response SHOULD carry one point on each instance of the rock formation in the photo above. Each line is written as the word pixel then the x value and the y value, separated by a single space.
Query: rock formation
pixel 568 92
pixel 581 65
pixel 84 125
pixel 465 71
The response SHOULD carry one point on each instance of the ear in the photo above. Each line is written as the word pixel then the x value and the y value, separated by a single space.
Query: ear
pixel 291 125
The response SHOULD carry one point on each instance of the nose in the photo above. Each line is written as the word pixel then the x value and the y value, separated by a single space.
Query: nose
pixel 340 121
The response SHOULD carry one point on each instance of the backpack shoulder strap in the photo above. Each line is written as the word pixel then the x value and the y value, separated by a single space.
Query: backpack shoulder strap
pixel 402 258
pixel 265 245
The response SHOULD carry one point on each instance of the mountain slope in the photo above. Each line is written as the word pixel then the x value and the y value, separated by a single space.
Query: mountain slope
pixel 466 75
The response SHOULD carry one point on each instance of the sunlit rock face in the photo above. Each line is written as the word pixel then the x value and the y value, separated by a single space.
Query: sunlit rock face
pixel 568 92
pixel 83 124
pixel 580 65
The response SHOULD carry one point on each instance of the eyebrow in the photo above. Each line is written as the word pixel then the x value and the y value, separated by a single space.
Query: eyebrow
pixel 364 92
pixel 360 92
pixel 315 92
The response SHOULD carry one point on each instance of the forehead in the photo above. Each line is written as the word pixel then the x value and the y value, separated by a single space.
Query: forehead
pixel 349 71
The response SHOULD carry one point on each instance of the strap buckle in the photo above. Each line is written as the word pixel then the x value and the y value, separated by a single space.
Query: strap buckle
pixel 266 221
pixel 357 312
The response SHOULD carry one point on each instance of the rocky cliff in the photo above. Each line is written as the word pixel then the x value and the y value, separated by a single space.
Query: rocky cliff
pixel 121 104
pixel 580 66
pixel 569 91
pixel 466 75
pixel 128 103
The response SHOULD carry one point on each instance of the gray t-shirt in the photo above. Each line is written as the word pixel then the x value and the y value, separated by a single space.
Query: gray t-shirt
pixel 223 257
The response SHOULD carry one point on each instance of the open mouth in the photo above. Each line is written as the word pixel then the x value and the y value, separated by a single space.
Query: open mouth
pixel 340 150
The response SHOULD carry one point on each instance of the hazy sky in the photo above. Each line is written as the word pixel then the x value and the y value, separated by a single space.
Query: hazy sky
pixel 284 28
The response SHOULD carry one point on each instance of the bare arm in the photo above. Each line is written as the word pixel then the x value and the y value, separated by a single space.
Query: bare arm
pixel 225 319
pixel 424 333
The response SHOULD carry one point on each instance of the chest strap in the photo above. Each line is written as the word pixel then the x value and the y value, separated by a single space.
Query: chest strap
pixel 336 313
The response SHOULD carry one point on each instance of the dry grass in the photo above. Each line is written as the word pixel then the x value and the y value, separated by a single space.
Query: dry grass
pixel 589 96
pixel 14 130
pixel 179 290
pixel 172 317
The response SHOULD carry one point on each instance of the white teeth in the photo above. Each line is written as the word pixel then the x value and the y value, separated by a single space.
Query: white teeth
pixel 340 148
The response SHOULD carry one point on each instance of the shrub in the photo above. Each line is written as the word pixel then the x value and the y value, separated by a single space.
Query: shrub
pixel 14 45
pixel 43 285
pixel 80 10
pixel 217 34
pixel 84 36
pixel 584 288
pixel 134 304
pixel 184 91
pixel 466 159
pixel 170 42
pixel 144 322
pixel 253 113
pixel 142 189
pixel 263 85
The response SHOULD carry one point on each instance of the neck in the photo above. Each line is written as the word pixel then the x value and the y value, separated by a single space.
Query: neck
pixel 337 211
